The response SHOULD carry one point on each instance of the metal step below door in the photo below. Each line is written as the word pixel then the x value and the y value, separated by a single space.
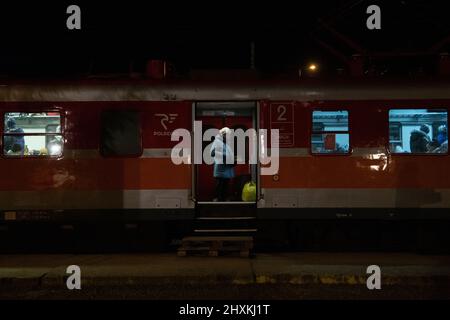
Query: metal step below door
pixel 226 221
pixel 226 209
pixel 225 226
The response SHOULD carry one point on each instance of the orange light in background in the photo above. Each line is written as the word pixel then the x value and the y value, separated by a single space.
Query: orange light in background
pixel 312 67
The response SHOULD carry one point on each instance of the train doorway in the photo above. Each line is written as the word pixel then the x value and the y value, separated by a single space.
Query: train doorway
pixel 234 115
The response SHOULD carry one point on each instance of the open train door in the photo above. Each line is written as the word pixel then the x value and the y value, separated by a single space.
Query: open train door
pixel 234 115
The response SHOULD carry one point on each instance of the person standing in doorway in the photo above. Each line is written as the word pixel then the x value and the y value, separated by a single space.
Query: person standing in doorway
pixel 223 169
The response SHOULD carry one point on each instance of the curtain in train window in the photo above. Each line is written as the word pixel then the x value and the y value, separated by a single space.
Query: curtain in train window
pixel 418 131
pixel 120 133
pixel 32 134
pixel 330 133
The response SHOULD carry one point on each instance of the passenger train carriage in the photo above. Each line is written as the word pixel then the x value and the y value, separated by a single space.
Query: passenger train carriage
pixel 101 151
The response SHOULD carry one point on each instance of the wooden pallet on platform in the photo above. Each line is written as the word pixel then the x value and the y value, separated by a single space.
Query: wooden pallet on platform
pixel 215 245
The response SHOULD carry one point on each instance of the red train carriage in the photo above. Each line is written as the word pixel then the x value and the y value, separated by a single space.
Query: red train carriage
pixel 102 151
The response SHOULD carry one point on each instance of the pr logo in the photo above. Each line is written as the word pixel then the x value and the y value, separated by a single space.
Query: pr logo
pixel 166 118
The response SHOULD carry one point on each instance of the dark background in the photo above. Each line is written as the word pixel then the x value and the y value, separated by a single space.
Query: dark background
pixel 34 40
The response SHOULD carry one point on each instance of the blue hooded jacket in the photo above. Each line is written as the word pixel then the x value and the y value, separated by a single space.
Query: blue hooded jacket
pixel 220 150
pixel 13 141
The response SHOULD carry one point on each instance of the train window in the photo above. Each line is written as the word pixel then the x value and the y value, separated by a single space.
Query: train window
pixel 32 134
pixel 120 133
pixel 418 131
pixel 330 133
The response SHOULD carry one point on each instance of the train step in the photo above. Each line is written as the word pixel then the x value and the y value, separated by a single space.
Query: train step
pixel 214 246
pixel 225 223
pixel 226 218
pixel 224 232
pixel 226 209
pixel 220 225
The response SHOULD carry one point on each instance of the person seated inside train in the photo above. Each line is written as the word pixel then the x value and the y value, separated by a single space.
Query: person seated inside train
pixel 442 134
pixel 15 150
pixel 442 140
pixel 54 147
pixel 419 140
pixel 433 145
pixel 341 148
pixel 443 148
pixel 13 144
pixel 223 171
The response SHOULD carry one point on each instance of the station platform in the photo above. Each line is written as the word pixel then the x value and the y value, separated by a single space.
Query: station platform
pixel 44 276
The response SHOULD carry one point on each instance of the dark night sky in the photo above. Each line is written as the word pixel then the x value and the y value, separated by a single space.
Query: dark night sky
pixel 214 34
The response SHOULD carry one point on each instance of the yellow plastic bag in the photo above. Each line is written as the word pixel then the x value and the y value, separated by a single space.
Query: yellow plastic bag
pixel 249 192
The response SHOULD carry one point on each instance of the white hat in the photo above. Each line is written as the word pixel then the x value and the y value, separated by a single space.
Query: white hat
pixel 224 130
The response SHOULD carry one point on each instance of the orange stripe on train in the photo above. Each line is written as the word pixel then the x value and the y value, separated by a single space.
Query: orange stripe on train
pixel 104 174
pixel 161 173
pixel 357 172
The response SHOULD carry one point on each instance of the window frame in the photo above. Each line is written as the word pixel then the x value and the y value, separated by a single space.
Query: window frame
pixel 311 132
pixel 141 140
pixel 33 110
pixel 400 125
pixel 406 154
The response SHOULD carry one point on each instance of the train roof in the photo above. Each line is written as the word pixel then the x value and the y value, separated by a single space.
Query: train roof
pixel 170 90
